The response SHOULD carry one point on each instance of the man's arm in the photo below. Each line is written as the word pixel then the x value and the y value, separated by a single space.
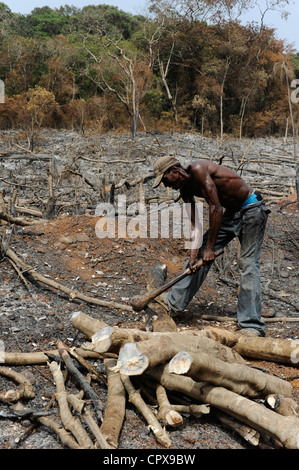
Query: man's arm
pixel 196 229
pixel 209 191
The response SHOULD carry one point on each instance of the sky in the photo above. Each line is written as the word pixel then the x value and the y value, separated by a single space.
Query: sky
pixel 285 29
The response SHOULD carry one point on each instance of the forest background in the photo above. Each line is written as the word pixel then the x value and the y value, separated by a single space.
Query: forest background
pixel 184 66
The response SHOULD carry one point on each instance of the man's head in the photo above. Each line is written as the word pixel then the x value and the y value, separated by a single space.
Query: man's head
pixel 163 165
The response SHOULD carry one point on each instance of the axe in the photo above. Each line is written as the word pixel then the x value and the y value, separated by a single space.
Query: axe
pixel 139 302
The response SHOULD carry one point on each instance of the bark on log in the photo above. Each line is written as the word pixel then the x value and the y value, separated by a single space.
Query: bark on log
pixel 87 324
pixel 115 407
pixel 238 378
pixel 135 359
pixel 283 428
pixel 111 339
pixel 269 349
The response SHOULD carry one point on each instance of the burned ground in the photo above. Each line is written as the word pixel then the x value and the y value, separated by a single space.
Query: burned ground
pixel 63 246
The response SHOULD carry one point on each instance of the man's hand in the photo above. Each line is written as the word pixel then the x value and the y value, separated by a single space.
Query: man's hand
pixel 208 256
pixel 192 261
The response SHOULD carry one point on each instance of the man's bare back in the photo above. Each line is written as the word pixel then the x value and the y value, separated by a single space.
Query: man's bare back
pixel 232 190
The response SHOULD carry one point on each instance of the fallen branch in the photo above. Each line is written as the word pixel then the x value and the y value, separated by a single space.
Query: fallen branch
pixel 80 379
pixel 70 422
pixel 65 438
pixel 166 414
pixel 73 294
pixel 80 406
pixel 40 357
pixel 25 390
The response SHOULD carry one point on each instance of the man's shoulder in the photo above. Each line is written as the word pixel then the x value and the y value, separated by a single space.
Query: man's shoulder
pixel 201 163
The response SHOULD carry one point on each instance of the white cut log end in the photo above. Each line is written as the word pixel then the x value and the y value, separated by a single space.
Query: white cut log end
pixel 75 314
pixel 102 339
pixel 273 401
pixel 131 361
pixel 180 363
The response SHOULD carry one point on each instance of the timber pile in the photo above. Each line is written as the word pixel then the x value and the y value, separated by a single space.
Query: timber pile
pixel 201 371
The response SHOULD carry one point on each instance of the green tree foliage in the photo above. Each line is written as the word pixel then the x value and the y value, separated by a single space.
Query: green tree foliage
pixel 43 22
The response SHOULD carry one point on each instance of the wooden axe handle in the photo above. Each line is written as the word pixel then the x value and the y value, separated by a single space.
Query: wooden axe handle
pixel 139 302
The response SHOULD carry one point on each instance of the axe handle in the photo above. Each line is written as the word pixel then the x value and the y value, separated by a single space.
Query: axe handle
pixel 141 301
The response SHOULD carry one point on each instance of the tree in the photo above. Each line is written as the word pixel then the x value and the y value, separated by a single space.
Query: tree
pixel 22 62
pixel 159 36
pixel 122 71
pixel 43 22
pixel 108 19
pixel 35 109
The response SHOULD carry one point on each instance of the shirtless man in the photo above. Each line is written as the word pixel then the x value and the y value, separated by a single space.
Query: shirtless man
pixel 245 217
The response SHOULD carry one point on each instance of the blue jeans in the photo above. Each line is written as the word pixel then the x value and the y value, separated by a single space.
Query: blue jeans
pixel 249 226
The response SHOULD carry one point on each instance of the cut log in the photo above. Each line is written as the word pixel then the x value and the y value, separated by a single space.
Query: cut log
pixel 283 428
pixel 135 359
pixel 115 406
pixel 238 378
pixel 86 324
pixel 284 351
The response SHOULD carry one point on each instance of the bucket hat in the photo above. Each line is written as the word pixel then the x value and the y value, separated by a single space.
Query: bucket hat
pixel 163 164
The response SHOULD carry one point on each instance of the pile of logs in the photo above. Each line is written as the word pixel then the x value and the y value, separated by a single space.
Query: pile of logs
pixel 201 371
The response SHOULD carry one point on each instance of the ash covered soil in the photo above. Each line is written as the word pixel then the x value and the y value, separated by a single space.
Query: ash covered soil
pixel 63 246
